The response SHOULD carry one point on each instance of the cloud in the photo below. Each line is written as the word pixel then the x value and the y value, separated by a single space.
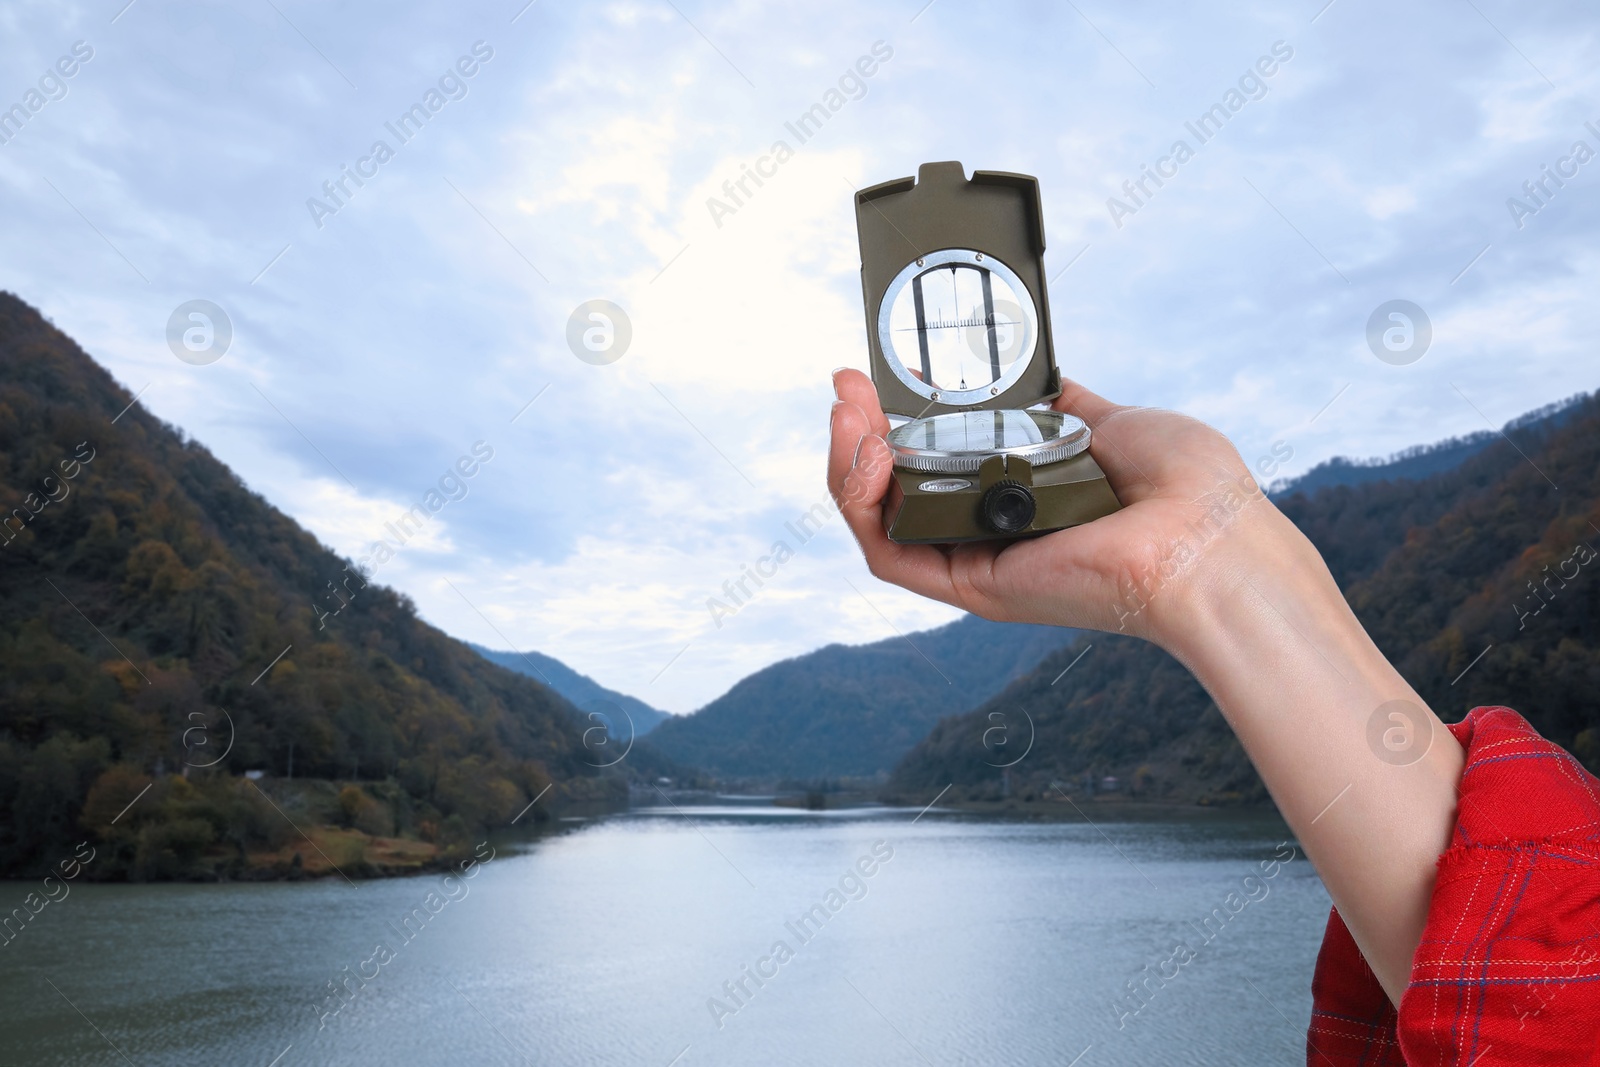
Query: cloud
pixel 425 315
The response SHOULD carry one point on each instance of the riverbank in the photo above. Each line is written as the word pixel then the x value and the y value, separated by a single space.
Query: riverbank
pixel 1105 807
pixel 1044 807
pixel 333 852
pixel 211 827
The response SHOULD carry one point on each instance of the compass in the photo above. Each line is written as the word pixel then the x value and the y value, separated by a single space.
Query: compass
pixel 958 330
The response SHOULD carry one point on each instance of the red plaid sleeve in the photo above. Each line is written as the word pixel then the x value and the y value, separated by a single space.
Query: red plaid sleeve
pixel 1508 971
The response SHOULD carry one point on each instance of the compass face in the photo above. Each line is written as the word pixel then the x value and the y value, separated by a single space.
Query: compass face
pixel 957 326
pixel 961 440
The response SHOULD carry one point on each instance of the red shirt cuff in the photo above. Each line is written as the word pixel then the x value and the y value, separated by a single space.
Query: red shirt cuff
pixel 1508 971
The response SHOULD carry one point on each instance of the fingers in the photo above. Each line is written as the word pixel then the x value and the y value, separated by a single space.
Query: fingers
pixel 860 469
pixel 856 415
pixel 849 426
pixel 863 479
pixel 856 388
pixel 1088 406
pixel 923 569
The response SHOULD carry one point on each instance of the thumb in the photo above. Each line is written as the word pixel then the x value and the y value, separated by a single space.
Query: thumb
pixel 1089 406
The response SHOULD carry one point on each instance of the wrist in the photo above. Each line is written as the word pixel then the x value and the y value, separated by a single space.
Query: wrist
pixel 1262 594
pixel 1192 590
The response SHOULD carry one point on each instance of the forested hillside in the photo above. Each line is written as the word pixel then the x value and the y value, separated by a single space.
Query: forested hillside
pixel 584 692
pixel 1418 461
pixel 155 613
pixel 163 631
pixel 845 711
pixel 1488 558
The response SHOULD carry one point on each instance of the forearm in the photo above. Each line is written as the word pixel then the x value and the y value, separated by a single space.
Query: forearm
pixel 1267 632
pixel 1201 563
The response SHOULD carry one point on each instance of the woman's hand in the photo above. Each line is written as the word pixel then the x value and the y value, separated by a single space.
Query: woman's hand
pixel 1183 488
pixel 1200 562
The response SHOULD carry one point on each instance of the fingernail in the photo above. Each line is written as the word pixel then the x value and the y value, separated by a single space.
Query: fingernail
pixel 835 379
pixel 856 459
pixel 833 412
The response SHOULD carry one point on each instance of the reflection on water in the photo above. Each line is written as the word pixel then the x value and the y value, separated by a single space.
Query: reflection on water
pixel 719 934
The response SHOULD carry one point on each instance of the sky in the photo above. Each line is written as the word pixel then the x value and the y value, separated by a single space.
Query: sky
pixel 379 331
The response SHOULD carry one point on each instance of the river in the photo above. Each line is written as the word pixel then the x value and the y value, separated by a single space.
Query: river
pixel 717 934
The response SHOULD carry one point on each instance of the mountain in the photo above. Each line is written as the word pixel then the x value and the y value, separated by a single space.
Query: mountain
pixel 584 692
pixel 1480 582
pixel 150 605
pixel 853 710
pixel 1419 461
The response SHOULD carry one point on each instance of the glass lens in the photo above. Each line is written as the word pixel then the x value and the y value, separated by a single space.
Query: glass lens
pixel 960 325
pixel 984 431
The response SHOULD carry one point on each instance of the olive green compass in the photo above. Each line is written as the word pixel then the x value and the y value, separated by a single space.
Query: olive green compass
pixel 958 327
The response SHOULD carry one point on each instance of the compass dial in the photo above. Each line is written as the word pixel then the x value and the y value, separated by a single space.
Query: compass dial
pixel 957 326
pixel 960 441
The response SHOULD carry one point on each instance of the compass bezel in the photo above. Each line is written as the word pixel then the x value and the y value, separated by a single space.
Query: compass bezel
pixel 1071 438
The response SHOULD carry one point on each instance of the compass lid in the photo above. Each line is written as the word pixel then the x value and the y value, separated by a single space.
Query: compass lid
pixel 952 276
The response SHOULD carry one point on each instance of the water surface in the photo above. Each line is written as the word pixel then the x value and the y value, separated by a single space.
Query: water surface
pixel 975 942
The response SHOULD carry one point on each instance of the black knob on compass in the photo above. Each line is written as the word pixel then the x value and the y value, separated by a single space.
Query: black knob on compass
pixel 1007 507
